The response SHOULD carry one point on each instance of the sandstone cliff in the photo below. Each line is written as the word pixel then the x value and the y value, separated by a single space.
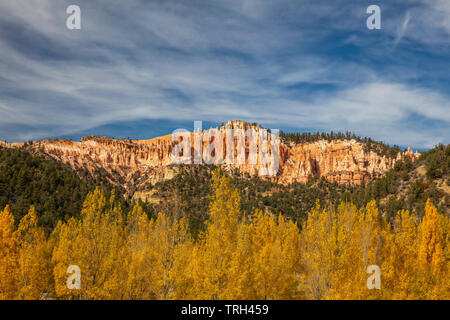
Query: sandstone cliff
pixel 134 163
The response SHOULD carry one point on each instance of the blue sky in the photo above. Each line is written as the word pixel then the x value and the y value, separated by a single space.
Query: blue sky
pixel 140 69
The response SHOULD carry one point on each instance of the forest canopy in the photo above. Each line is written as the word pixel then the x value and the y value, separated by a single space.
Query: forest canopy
pixel 236 256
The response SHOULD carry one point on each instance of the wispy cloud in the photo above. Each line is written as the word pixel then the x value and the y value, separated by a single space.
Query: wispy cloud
pixel 310 64
pixel 402 30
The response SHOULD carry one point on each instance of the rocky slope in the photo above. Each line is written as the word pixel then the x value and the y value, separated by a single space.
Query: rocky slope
pixel 135 163
pixel 341 161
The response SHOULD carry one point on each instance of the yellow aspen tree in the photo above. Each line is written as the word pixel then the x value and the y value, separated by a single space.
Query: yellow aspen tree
pixel 265 262
pixel 433 253
pixel 165 237
pixel 276 257
pixel 8 256
pixel 96 244
pixel 371 235
pixel 373 227
pixel 180 275
pixel 66 253
pixel 139 281
pixel 212 260
pixel 363 237
pixel 34 259
pixel 242 283
pixel 336 248
pixel 318 244
pixel 348 273
pixel 154 254
pixel 400 260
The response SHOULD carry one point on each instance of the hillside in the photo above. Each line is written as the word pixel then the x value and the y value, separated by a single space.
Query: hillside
pixel 131 164
pixel 56 191
pixel 56 175
pixel 406 186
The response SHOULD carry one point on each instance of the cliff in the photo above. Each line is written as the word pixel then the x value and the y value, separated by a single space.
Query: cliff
pixel 134 163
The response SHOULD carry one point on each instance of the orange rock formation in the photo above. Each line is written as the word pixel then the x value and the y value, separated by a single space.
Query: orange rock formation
pixel 137 162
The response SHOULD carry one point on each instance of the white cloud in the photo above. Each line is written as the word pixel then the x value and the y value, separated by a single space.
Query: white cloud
pixel 379 110
pixel 402 29
pixel 228 60
pixel 441 15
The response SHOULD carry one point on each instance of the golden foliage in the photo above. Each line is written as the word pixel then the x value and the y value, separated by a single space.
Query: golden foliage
pixel 8 256
pixel 261 256
pixel 34 259
pixel 96 244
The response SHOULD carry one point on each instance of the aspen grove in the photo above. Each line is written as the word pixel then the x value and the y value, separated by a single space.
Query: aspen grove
pixel 127 255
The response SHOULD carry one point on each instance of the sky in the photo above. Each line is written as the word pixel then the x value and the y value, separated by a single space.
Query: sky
pixel 140 69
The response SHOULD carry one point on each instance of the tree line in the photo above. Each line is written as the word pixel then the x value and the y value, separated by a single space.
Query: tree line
pixel 381 148
pixel 129 255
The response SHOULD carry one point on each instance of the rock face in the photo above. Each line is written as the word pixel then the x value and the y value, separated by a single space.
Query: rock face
pixel 134 163
pixel 341 161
